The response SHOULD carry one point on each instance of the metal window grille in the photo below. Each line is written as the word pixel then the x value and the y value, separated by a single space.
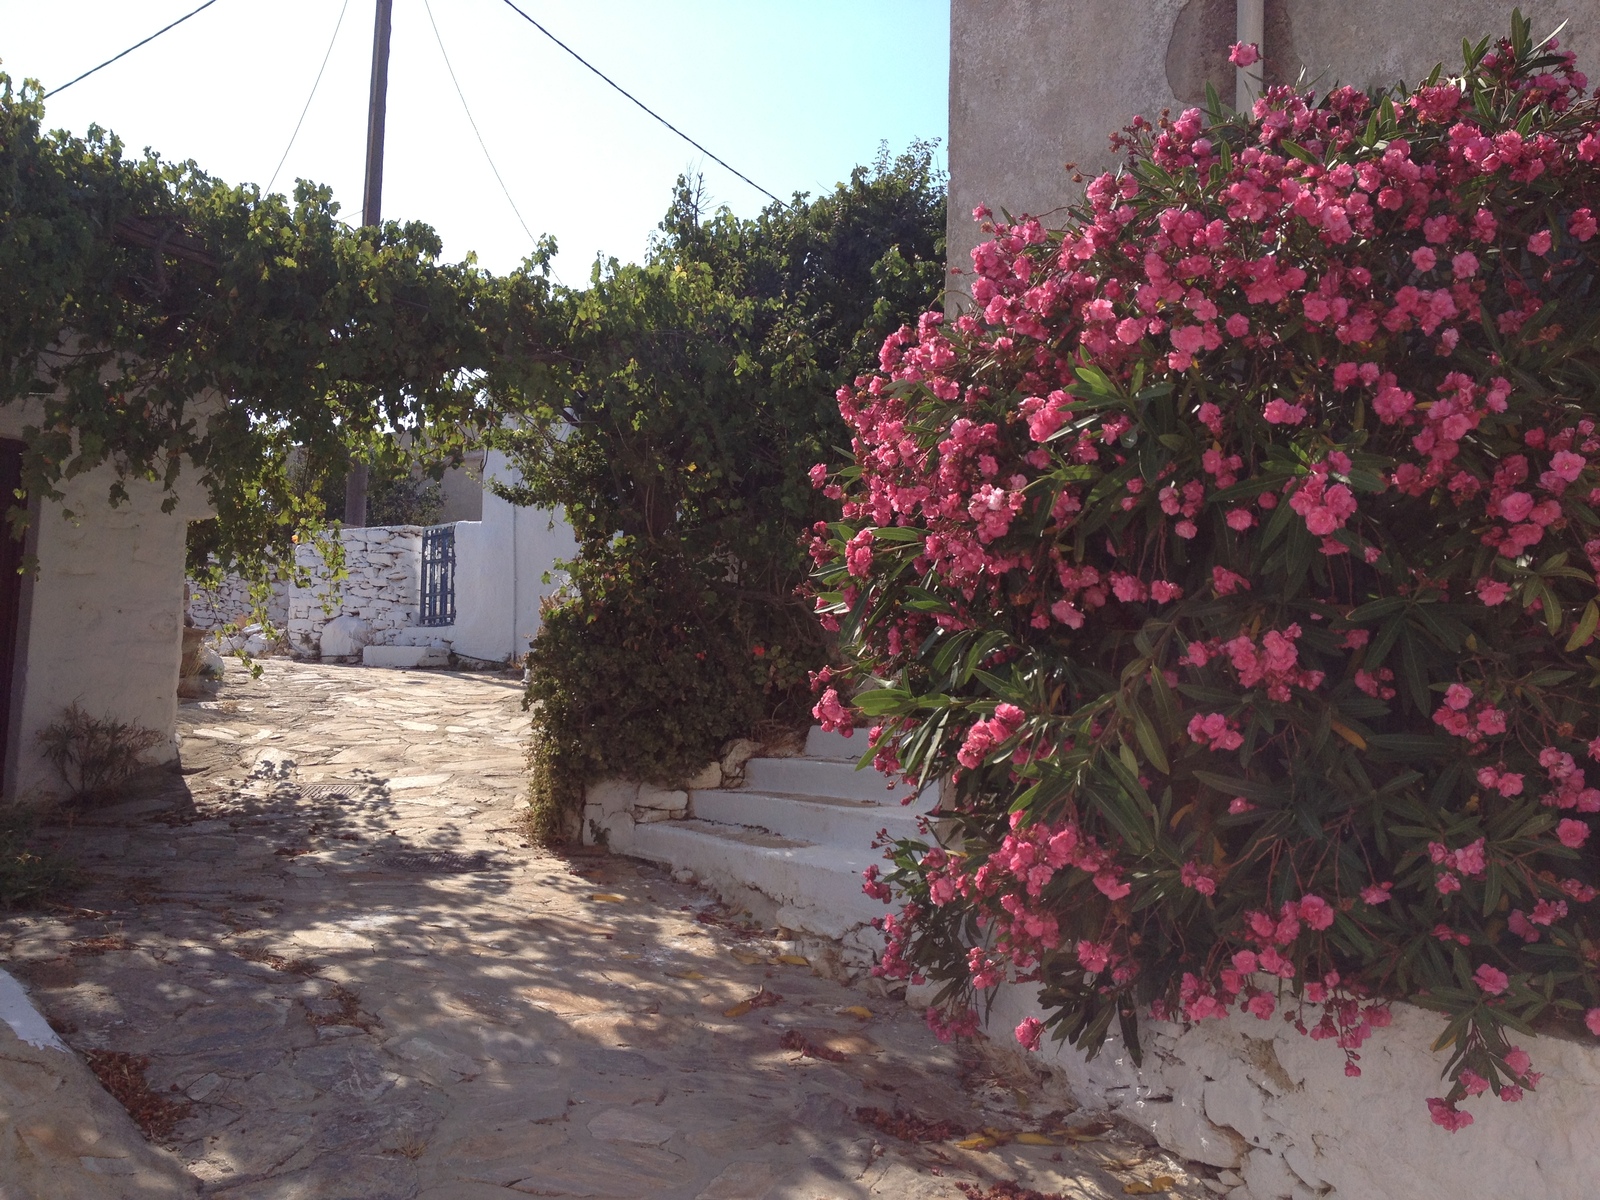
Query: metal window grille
pixel 439 575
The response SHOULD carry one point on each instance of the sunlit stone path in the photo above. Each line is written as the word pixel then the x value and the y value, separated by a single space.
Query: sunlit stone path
pixel 353 979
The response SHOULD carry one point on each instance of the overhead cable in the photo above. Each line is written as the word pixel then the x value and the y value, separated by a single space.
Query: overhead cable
pixel 129 50
pixel 466 109
pixel 315 84
pixel 640 103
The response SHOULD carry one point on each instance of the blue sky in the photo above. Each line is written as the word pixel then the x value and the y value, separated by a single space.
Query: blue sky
pixel 791 92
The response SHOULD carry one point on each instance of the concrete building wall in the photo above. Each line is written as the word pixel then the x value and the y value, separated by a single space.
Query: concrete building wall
pixel 1035 84
pixel 462 491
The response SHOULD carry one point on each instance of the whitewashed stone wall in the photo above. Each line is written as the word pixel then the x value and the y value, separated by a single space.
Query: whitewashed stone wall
pixel 384 565
pixel 101 621
pixel 1276 1112
pixel 383 588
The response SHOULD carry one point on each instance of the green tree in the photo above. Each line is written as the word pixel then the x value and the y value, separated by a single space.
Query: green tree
pixel 691 395
pixel 168 320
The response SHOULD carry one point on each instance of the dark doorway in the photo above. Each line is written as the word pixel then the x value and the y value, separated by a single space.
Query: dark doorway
pixel 10 583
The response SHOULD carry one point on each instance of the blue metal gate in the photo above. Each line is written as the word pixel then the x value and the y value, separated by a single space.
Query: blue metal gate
pixel 438 576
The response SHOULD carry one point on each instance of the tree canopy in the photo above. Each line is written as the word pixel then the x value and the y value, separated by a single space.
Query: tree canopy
pixel 677 426
pixel 166 320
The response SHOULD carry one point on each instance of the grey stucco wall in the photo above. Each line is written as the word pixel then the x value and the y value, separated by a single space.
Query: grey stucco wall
pixel 1035 84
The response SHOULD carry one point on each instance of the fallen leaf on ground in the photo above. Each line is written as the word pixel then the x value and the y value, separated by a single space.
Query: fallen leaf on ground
pixel 909 1128
pixel 99 945
pixel 794 960
pixel 608 898
pixel 1156 1186
pixel 860 1011
pixel 749 957
pixel 762 999
pixel 685 975
pixel 806 1048
pixel 1037 1139
pixel 122 1075
pixel 986 1139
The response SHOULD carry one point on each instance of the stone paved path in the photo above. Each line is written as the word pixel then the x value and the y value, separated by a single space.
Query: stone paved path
pixel 359 983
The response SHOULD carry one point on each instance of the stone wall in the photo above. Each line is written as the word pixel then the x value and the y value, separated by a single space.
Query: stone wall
pixel 229 604
pixel 384 568
pixel 1276 1109
pixel 384 565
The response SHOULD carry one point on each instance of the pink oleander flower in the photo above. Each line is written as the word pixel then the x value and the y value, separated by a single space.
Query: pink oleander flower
pixel 1445 1114
pixel 1572 833
pixel 1029 1032
pixel 832 714
pixel 1316 912
pixel 1194 876
pixel 1244 54
pixel 1491 979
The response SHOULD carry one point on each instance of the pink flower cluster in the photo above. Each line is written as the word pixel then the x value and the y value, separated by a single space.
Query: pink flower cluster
pixel 1252 459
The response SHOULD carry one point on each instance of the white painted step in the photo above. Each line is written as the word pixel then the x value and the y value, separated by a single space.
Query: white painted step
pixel 852 824
pixel 817 888
pixel 822 743
pixel 821 777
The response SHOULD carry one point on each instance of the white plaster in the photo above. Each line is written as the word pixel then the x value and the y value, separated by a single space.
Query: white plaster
pixel 1259 1097
pixel 102 617
pixel 505 567
pixel 502 563
pixel 17 1011
pixel 404 656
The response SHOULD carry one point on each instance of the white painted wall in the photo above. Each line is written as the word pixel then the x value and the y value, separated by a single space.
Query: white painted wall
pixel 501 562
pixel 1276 1107
pixel 501 565
pixel 102 618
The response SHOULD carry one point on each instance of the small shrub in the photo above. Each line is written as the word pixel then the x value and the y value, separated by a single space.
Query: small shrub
pixel 95 756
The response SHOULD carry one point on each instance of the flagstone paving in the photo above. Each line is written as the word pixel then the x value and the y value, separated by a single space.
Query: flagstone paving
pixel 356 981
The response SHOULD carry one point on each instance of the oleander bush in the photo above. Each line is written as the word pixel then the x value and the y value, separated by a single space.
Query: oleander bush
pixel 1234 555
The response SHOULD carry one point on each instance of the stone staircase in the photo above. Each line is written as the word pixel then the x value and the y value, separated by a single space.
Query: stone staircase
pixel 792 841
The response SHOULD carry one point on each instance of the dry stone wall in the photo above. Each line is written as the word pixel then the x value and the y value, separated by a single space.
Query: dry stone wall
pixel 383 565
pixel 229 604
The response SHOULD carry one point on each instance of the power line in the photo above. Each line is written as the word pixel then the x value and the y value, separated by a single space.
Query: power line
pixel 464 108
pixel 129 50
pixel 637 101
pixel 315 84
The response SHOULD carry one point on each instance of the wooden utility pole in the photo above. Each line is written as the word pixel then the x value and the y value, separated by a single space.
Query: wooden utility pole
pixel 355 483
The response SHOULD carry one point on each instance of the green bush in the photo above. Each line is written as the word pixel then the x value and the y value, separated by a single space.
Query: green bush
pixel 676 426
pixel 643 671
